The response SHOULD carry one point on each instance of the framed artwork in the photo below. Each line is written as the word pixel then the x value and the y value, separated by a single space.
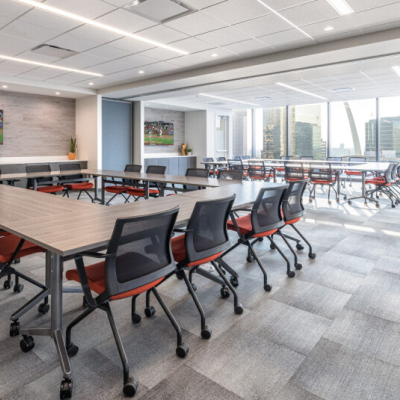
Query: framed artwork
pixel 1 126
pixel 158 133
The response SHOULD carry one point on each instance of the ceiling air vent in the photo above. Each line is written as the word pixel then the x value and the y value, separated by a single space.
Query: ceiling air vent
pixel 343 90
pixel 158 10
pixel 216 103
pixel 53 51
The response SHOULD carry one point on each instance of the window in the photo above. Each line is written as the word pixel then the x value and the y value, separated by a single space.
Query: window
pixel 221 136
pixel 271 128
pixel 308 127
pixel 353 128
pixel 242 133
pixel 389 124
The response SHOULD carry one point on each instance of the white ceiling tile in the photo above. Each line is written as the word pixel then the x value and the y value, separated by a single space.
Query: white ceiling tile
pixel 224 36
pixel 249 46
pixel 162 34
pixel 206 56
pixel 97 82
pixel 130 45
pixel 8 70
pixel 72 43
pixel 339 36
pixel 192 45
pixel 93 34
pixel 185 61
pixel 28 31
pixel 4 21
pixel 130 74
pixel 109 67
pixel 195 24
pixel 126 21
pixel 137 60
pixel 199 4
pixel 377 16
pixel 278 5
pixel 265 25
pixel 310 13
pixel 41 74
pixel 118 3
pixel 18 67
pixel 79 61
pixel 159 54
pixel 12 9
pixel 107 52
pixel 235 11
pixel 87 8
pixel 361 5
pixel 381 27
pixel 49 21
pixel 67 79
pixel 339 25
pixel 16 43
pixel 285 37
pixel 32 56
pixel 157 68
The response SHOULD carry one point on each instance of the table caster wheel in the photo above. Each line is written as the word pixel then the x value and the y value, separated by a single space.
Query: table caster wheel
pixel 149 311
pixel 18 288
pixel 72 349
pixel 267 288
pixel 225 293
pixel 298 266
pixel 7 284
pixel 130 387
pixel 291 274
pixel 239 309
pixel 14 329
pixel 234 281
pixel 27 344
pixel 206 333
pixel 66 389
pixel 182 350
pixel 43 308
pixel 312 256
pixel 299 246
pixel 136 318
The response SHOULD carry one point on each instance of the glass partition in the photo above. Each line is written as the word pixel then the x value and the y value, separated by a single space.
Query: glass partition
pixel 389 124
pixel 242 133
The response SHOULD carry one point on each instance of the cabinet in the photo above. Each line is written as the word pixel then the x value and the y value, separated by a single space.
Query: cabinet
pixel 174 165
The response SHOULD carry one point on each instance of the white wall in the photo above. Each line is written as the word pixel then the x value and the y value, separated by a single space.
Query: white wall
pixel 89 130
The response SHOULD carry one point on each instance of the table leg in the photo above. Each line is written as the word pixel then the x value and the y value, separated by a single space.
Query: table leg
pixel 34 184
pixel 103 193
pixel 146 189
pixel 96 189
pixel 363 191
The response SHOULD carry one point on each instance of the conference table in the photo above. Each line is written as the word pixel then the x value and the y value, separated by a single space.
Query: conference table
pixel 66 227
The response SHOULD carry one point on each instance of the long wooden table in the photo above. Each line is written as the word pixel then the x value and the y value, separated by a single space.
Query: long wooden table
pixel 65 227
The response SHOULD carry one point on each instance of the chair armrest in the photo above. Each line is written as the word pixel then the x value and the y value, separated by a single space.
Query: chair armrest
pixel 181 230
pixel 243 209
pixel 94 254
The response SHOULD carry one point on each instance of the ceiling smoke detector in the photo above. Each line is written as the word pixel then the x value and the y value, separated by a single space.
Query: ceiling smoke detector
pixel 158 10
pixel 53 51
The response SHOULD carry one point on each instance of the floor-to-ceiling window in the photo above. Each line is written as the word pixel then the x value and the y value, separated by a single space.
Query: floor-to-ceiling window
pixel 242 133
pixel 389 124
pixel 308 130
pixel 353 128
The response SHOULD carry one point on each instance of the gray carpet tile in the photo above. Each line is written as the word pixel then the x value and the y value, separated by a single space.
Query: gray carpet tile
pixel 335 372
pixel 389 264
pixel 379 296
pixel 186 383
pixel 315 299
pixel 292 392
pixel 369 335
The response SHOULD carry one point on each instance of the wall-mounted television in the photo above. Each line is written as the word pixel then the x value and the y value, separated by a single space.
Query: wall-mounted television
pixel 158 133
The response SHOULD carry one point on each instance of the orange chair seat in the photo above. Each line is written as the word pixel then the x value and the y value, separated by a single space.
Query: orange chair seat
pixel 179 251
pixel 117 189
pixel 50 189
pixel 292 221
pixel 280 169
pixel 79 186
pixel 377 182
pixel 294 179
pixel 8 245
pixel 140 192
pixel 245 227
pixel 97 281
pixel 321 182
pixel 352 172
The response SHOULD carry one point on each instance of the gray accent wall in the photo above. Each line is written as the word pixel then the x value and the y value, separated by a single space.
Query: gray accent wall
pixel 117 134
pixel 36 125
pixel 177 118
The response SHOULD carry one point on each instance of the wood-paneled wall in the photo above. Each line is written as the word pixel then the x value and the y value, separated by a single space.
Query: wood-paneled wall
pixel 36 125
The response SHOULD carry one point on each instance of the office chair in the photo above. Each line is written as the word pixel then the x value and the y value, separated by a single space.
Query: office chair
pixel 323 176
pixel 138 259
pixel 83 185
pixel 53 189
pixel 335 158
pixel 204 240
pixel 120 189
pixel 264 219
pixel 231 175
pixel 281 170
pixel 306 157
pixel 383 185
pixel 139 192
pixel 10 182
pixel 245 157
pixel 258 171
pixel 293 173
pixel 237 165
pixel 237 158
pixel 221 158
pixel 199 172
pixel 210 168
pixel 349 174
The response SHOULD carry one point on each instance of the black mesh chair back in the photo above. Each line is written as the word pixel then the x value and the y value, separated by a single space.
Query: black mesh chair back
pixel 394 171
pixel 71 167
pixel 156 169
pixel 209 159
pixel 38 168
pixel 322 174
pixel 245 157
pixel 140 251
pixel 258 171
pixel 266 213
pixel 286 158
pixel 306 157
pixel 131 168
pixel 358 159
pixel 208 166
pixel 388 172
pixel 221 158
pixel 230 175
pixel 199 172
pixel 207 232
pixel 292 204
pixel 335 158
pixel 294 173
pixel 235 164
pixel 237 158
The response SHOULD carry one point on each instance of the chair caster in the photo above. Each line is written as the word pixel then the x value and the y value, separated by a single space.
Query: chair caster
pixel 377 205
pixel 225 293
pixel 17 261
pixel 250 259
pixel 66 389
pixel 182 350
pixel 234 281
pixel 84 302
pixel 272 247
pixel 179 277
pixel 239 309
pixel 14 329
pixel 291 274
pixel 72 350
pixel 43 308
pixel 299 246
pixel 194 287
pixel 312 256
pixel 206 333
pixel 349 202
pixel 149 311
pixel 337 201
pixel 130 387
pixel 344 197
pixel 267 288
pixel 329 202
pixel 7 284
pixel 27 344
pixel 18 288
pixel 136 318
pixel 298 266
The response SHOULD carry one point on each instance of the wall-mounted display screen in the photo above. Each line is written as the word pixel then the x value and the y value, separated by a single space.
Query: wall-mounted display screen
pixel 158 133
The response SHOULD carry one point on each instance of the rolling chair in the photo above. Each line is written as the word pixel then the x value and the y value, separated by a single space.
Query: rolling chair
pixel 137 260
pixel 231 175
pixel 281 170
pixel 306 157
pixel 154 188
pixel 199 172
pixel 383 185
pixel 82 186
pixel 211 170
pixel 258 171
pixel 53 189
pixel 350 174
pixel 325 177
pixel 10 182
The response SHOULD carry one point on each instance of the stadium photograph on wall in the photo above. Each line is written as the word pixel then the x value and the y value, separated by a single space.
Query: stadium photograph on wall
pixel 158 133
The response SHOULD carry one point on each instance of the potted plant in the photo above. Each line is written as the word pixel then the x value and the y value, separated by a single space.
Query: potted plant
pixel 72 149
pixel 189 152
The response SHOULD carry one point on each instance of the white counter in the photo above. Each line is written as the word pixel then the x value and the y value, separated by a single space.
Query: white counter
pixel 165 155
pixel 35 160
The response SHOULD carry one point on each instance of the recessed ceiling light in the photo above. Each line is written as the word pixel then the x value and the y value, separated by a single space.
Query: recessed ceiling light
pixel 224 98
pixel 5 86
pixel 141 72
pixel 285 19
pixel 299 90
pixel 214 55
pixel 341 6
pixel 329 28
pixel 97 24
pixel 396 69
pixel 22 60
pixel 57 93
pixel 91 83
